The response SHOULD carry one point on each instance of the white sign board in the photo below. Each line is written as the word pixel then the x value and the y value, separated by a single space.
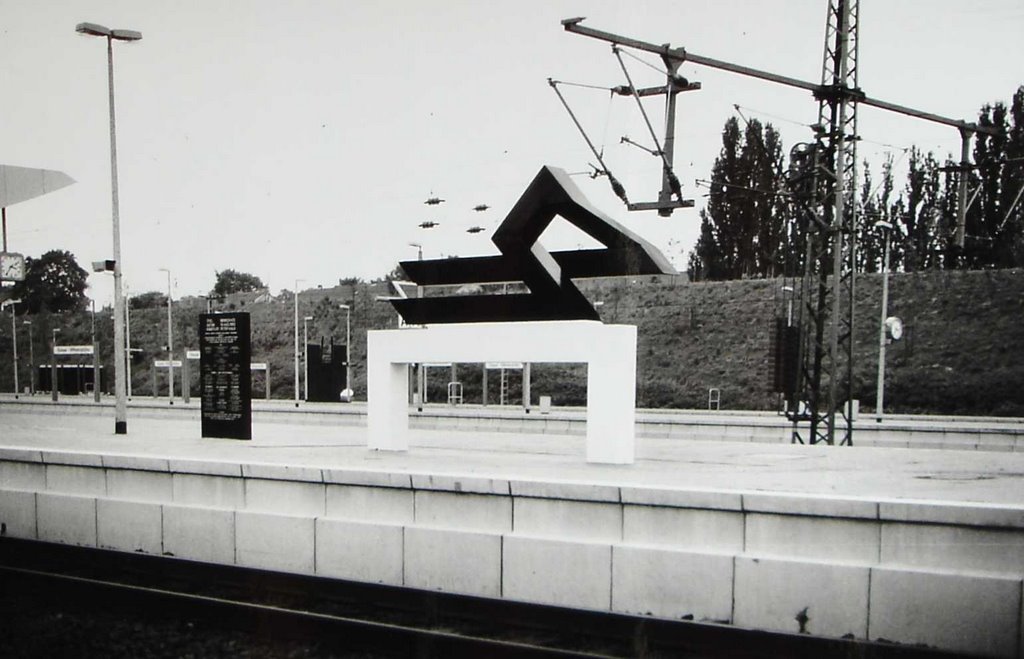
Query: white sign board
pixel 192 354
pixel 163 363
pixel 508 366
pixel 72 350
pixel 258 366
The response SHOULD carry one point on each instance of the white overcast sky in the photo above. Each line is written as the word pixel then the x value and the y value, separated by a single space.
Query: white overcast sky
pixel 299 139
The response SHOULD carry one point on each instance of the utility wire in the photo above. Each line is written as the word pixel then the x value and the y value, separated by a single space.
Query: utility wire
pixel 700 182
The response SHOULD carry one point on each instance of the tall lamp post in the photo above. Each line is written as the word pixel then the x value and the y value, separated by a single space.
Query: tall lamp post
pixel 170 340
pixel 297 282
pixel 31 360
pixel 886 229
pixel 121 398
pixel 346 395
pixel 305 355
pixel 14 341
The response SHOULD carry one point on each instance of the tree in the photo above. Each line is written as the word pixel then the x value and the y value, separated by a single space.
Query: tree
pixel 232 281
pixel 919 239
pixel 743 231
pixel 995 221
pixel 53 282
pixel 150 300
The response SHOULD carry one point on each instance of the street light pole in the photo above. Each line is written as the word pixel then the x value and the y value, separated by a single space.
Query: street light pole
pixel 121 399
pixel 296 300
pixel 31 360
pixel 170 340
pixel 305 355
pixel 14 342
pixel 880 391
pixel 348 351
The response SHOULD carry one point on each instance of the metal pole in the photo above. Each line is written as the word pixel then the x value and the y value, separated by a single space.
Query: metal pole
pixel 95 358
pixel 296 301
pixel 305 356
pixel 423 370
pixel 14 343
pixel 121 398
pixel 961 188
pixel 838 238
pixel 170 341
pixel 348 348
pixel 186 378
pixel 128 341
pixel 880 395
pixel 53 364
pixel 31 360
pixel 526 387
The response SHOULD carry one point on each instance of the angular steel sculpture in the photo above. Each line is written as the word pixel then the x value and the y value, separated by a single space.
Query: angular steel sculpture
pixel 547 275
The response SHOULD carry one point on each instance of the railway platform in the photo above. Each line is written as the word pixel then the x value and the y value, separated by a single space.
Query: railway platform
pixel 907 545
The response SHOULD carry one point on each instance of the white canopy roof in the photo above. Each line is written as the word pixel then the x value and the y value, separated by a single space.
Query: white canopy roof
pixel 23 183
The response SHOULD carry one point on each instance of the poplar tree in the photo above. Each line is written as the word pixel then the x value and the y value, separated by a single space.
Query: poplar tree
pixel 743 231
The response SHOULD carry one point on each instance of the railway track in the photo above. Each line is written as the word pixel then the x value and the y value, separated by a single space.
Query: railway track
pixel 349 619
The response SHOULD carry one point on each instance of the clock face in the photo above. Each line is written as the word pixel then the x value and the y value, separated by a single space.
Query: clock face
pixel 12 266
pixel 895 326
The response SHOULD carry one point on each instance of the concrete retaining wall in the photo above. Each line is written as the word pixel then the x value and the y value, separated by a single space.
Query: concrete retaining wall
pixel 948 576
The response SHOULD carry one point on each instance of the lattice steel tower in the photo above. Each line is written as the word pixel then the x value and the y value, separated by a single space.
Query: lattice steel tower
pixel 829 219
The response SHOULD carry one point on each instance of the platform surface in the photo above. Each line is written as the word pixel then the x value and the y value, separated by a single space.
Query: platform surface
pixel 988 478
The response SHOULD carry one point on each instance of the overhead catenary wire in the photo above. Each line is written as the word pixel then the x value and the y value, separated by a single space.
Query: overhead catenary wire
pixel 710 184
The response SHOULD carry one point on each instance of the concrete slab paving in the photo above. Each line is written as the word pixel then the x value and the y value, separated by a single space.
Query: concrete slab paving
pixel 873 473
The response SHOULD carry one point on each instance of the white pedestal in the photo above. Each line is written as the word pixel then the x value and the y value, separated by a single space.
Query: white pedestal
pixel 609 351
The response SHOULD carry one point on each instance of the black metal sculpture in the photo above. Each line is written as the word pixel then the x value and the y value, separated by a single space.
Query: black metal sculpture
pixel 547 275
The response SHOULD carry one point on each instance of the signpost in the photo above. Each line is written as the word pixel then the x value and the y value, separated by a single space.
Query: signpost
pixel 72 350
pixel 225 376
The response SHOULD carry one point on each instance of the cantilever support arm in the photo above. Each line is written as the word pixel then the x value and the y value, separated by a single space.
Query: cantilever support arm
pixel 681 55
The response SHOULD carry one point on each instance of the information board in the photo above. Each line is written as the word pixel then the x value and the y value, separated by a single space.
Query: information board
pixel 224 344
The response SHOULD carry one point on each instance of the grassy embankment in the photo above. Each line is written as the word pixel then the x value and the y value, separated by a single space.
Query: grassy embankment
pixel 962 353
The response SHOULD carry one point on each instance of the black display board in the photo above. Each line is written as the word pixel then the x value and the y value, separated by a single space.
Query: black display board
pixel 224 366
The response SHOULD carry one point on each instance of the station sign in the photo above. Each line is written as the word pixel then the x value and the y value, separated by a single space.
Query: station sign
pixel 258 366
pixel 226 375
pixel 508 366
pixel 164 363
pixel 72 350
pixel 192 354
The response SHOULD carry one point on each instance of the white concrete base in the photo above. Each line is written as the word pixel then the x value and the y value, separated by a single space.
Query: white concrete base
pixel 609 351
